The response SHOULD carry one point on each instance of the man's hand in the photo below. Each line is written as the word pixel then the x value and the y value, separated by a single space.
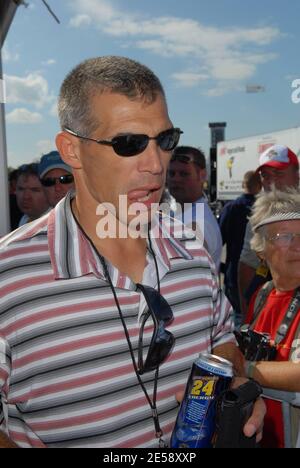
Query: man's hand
pixel 5 442
pixel 255 424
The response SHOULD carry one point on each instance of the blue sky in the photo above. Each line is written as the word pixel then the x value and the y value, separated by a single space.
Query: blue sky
pixel 205 53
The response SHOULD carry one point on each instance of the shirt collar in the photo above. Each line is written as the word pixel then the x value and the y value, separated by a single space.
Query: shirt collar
pixel 72 254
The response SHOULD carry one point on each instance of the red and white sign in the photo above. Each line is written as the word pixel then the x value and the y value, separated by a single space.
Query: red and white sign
pixel 236 157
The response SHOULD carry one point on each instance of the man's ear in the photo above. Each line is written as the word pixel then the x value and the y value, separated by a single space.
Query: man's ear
pixel 68 147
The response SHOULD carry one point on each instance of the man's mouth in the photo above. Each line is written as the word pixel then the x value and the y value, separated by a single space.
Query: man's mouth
pixel 144 195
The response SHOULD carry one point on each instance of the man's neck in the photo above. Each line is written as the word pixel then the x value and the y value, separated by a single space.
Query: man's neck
pixel 128 254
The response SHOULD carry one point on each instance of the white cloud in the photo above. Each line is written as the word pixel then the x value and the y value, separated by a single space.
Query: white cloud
pixel 80 20
pixel 23 116
pixel 101 11
pixel 9 56
pixel 49 62
pixel 32 89
pixel 227 54
pixel 190 79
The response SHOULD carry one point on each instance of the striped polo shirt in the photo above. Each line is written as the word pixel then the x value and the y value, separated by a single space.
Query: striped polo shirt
pixel 66 374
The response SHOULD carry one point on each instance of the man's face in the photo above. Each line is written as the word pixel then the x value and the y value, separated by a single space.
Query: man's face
pixel 185 181
pixel 31 197
pixel 281 178
pixel 56 192
pixel 103 175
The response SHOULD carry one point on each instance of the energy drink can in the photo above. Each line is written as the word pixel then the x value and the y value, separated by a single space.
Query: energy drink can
pixel 196 421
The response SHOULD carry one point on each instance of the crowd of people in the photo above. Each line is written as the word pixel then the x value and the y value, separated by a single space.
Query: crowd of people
pixel 98 332
pixel 36 188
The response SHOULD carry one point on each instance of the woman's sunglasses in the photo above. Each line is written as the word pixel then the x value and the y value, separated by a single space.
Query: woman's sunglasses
pixel 162 340
pixel 132 144
pixel 64 180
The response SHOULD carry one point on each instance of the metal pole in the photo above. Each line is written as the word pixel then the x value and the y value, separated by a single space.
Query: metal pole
pixel 7 12
pixel 4 200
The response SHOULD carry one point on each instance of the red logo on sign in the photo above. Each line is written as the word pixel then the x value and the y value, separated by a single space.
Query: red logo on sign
pixel 264 146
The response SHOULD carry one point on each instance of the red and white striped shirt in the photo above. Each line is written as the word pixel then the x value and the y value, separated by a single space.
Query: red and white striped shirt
pixel 66 375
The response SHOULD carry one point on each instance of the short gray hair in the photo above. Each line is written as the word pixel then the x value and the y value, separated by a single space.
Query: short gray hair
pixel 94 76
pixel 268 205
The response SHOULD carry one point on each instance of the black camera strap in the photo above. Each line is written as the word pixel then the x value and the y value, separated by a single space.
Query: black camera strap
pixel 289 317
pixel 260 301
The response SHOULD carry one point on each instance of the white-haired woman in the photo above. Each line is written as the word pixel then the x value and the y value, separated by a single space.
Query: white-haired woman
pixel 275 309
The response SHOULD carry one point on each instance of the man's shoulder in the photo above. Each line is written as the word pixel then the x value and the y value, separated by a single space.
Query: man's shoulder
pixel 25 237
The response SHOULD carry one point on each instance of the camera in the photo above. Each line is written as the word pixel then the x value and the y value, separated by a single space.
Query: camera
pixel 233 411
pixel 255 346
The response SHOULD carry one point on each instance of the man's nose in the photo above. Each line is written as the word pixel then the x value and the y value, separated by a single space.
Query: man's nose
pixel 151 160
pixel 27 195
pixel 58 186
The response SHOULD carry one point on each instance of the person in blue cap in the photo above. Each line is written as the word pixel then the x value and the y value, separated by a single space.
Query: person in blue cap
pixel 55 176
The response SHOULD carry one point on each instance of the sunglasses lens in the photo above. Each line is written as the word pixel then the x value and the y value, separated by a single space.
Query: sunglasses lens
pixel 169 139
pixel 160 315
pixel 130 145
pixel 160 349
pixel 160 306
pixel 66 179
pixel 50 181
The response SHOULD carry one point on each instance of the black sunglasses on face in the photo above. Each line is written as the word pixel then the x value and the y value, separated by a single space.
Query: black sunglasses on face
pixel 162 340
pixel 64 179
pixel 132 144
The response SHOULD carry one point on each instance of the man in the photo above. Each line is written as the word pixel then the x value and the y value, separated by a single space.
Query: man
pixel 279 166
pixel 31 198
pixel 84 335
pixel 186 177
pixel 233 222
pixel 55 176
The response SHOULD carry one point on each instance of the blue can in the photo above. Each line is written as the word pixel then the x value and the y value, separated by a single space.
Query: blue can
pixel 196 421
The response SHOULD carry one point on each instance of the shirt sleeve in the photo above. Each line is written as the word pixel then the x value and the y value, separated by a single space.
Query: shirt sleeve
pixel 5 366
pixel 223 327
pixel 248 256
